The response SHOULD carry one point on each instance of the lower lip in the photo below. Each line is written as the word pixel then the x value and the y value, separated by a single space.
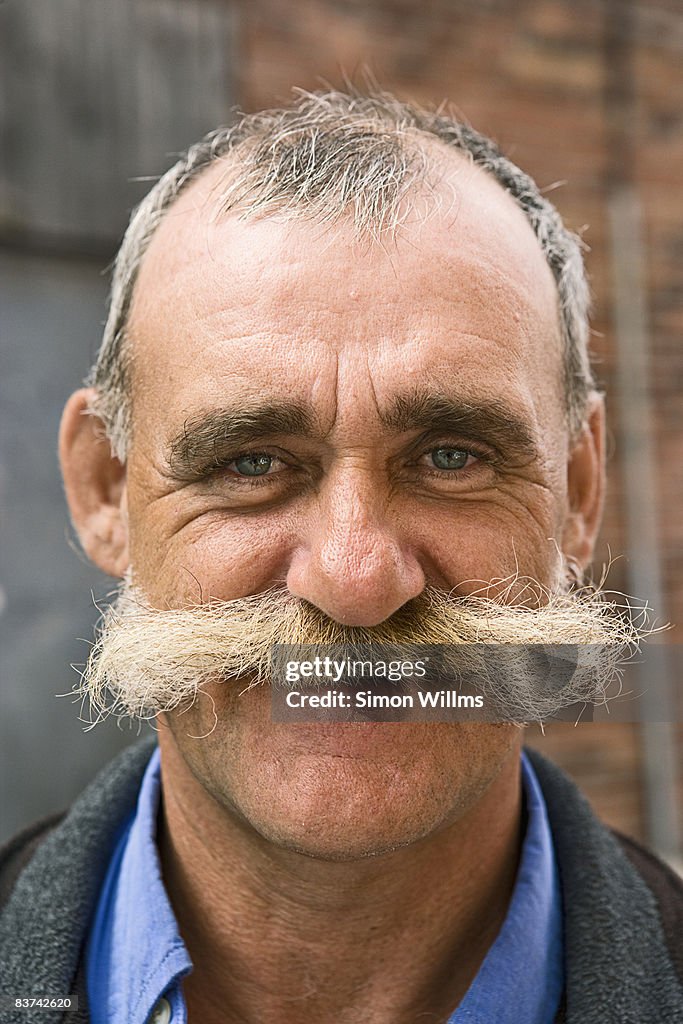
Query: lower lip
pixel 367 740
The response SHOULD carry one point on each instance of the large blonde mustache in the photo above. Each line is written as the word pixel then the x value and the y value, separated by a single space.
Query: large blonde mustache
pixel 146 661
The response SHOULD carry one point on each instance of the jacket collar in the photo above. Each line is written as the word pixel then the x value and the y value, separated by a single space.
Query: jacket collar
pixel 618 968
pixel 44 923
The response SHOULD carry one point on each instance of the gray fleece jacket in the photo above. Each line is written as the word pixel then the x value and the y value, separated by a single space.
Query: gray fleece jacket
pixel 623 908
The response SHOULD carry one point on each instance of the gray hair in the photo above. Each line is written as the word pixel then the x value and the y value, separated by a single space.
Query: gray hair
pixel 327 155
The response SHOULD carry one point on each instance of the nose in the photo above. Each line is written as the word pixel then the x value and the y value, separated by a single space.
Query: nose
pixel 353 564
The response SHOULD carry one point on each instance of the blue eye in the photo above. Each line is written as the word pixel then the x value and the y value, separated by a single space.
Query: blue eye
pixel 449 458
pixel 254 464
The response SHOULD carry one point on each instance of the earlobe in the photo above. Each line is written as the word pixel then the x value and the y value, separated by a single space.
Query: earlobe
pixel 586 485
pixel 95 485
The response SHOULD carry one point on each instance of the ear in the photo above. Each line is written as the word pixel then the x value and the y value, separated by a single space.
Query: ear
pixel 95 485
pixel 586 486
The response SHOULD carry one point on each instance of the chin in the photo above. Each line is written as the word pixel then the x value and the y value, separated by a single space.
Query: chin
pixel 336 791
pixel 346 811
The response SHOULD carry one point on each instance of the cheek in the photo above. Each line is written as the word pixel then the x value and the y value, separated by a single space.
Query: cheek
pixel 212 556
pixel 479 541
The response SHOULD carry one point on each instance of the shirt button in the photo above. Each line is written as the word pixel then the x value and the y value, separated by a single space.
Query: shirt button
pixel 161 1014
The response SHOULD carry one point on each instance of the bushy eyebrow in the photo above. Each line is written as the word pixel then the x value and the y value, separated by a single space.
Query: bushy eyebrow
pixel 207 439
pixel 490 421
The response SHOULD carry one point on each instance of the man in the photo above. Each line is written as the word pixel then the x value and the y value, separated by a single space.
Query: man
pixel 343 393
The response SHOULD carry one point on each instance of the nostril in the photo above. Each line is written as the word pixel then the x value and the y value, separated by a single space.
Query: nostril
pixel 356 587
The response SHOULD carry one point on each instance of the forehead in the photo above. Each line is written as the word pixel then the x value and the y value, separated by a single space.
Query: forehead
pixel 225 306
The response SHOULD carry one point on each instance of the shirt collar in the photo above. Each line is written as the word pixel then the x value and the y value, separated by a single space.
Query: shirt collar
pixel 135 954
pixel 522 976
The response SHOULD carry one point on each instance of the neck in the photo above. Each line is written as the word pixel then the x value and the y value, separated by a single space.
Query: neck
pixel 274 933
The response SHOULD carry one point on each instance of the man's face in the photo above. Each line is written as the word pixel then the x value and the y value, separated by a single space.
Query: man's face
pixel 356 421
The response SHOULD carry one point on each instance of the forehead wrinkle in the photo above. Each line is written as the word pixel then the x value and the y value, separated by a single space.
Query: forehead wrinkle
pixel 483 284
pixel 476 279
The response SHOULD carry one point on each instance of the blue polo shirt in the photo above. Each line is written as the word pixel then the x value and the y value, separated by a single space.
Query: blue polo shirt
pixel 136 959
